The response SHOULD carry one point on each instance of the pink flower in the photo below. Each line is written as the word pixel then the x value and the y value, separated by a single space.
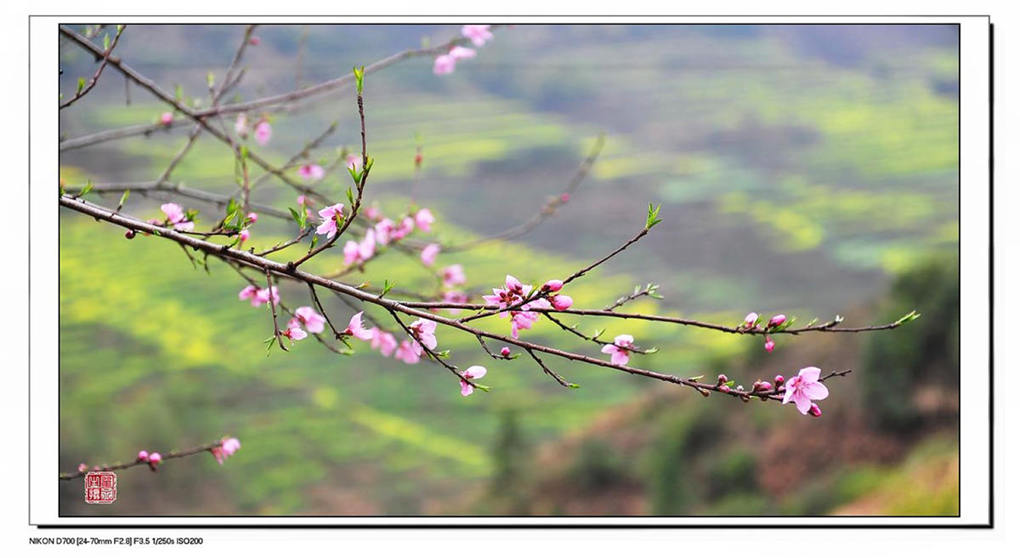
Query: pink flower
pixel 143 455
pixel 247 293
pixel 330 217
pixel 310 319
pixel 564 197
pixel 244 235
pixel 254 41
pixel 620 349
pixel 505 351
pixel 294 331
pixel 516 287
pixel 777 320
pixel 424 219
pixel 472 373
pixel 769 344
pixel 357 328
pixel 804 387
pixel 407 353
pixel 252 217
pixel 460 53
pixel 302 200
pixel 82 467
pixel 384 231
pixel 225 449
pixel 373 213
pixel 425 332
pixel 351 251
pixel 444 64
pixel 429 253
pixel 521 320
pixel 366 249
pixel 241 125
pixel 562 302
pixel 230 446
pixel 750 319
pixel 477 33
pixel 155 458
pixel 384 341
pixel 553 285
pixel 453 275
pixel 176 216
pixel 354 161
pixel 263 131
pixel 311 172
pixel 262 296
pixel 166 119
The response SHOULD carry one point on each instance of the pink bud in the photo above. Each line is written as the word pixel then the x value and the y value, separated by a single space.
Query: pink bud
pixel 253 217
pixel 764 386
pixel 815 410
pixel 553 285
pixel 562 302
pixel 143 455
pixel 82 467
pixel 724 388
pixel 302 200
pixel 750 319
pixel 777 320
pixel 244 235
pixel 564 197
pixel 723 379
pixel 769 344
pixel 129 234
pixel 155 458
pixel 254 41
pixel 417 159
pixel 166 118
pixel 779 379
pixel 505 351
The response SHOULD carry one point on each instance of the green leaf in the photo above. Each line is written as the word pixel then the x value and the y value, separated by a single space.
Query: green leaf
pixel 300 218
pixel 359 78
pixel 355 174
pixel 81 85
pixel 178 92
pixel 573 386
pixel 210 79
pixel 86 189
pixel 106 42
pixel 386 287
pixel 350 196
pixel 123 198
pixel 653 214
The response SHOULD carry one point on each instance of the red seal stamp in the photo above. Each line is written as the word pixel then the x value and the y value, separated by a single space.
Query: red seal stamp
pixel 100 487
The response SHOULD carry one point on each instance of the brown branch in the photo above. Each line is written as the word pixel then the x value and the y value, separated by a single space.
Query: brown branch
pixel 99 72
pixel 127 464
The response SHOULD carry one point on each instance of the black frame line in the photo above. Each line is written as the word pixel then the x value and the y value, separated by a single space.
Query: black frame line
pixel 539 525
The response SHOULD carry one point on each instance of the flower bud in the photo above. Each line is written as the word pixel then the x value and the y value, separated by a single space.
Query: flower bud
pixel 417 159
pixel 815 410
pixel 82 467
pixel 779 379
pixel 553 285
pixel 769 344
pixel 724 388
pixel 253 217
pixel 129 234
pixel 764 386
pixel 562 302
pixel 564 197
pixel 143 455
pixel 777 320
pixel 155 458
pixel 750 319
pixel 505 351
pixel 722 379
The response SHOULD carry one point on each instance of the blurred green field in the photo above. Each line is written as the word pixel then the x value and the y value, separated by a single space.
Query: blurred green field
pixel 792 179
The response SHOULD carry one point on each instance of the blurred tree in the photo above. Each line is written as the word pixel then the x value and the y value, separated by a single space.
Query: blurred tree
pixel 915 359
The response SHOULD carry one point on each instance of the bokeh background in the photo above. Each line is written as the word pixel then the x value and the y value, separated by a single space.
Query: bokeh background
pixel 805 169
